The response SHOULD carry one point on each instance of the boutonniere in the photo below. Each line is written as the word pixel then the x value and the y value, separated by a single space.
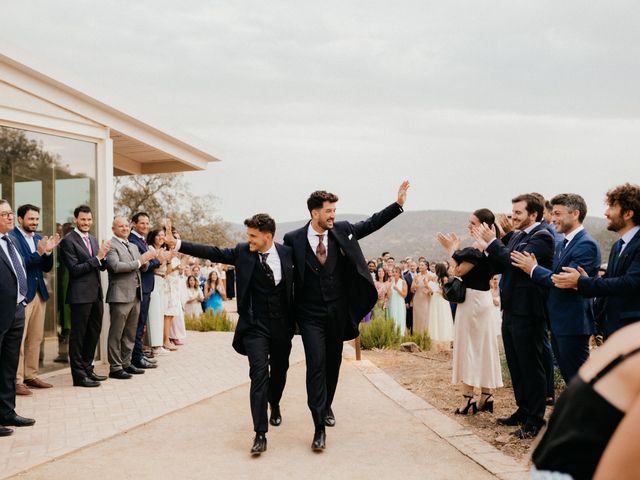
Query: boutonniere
pixel 350 236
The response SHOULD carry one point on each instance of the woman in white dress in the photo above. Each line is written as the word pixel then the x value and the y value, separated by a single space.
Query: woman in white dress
pixel 172 298
pixel 397 309
pixel 194 298
pixel 476 358
pixel 440 320
pixel 155 323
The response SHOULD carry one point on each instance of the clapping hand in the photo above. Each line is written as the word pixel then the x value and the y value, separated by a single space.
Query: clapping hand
pixel 169 240
pixel 402 192
pixel 105 246
pixel 146 256
pixel 483 235
pixel 525 261
pixel 569 277
pixel 504 223
pixel 47 244
pixel 450 242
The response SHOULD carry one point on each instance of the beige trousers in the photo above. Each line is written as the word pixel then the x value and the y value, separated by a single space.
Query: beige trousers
pixel 31 339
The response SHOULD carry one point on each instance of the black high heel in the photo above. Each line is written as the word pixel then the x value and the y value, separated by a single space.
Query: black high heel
pixel 487 406
pixel 470 405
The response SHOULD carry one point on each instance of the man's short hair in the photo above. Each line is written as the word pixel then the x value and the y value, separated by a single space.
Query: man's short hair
pixel 534 204
pixel 573 202
pixel 628 197
pixel 262 222
pixel 317 199
pixel 136 216
pixel 385 253
pixel 81 209
pixel 23 209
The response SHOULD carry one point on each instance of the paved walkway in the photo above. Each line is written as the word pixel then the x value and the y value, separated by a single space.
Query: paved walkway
pixel 383 430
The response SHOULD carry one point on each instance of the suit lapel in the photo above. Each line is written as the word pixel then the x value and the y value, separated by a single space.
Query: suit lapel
pixel 6 260
pixel 286 265
pixel 572 244
pixel 627 253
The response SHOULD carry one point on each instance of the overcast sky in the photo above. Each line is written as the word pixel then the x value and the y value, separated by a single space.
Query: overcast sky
pixel 473 102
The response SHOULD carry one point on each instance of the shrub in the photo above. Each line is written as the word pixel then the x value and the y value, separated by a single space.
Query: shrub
pixel 379 333
pixel 210 321
pixel 423 340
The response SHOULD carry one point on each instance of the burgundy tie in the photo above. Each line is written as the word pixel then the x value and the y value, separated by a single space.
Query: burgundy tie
pixel 321 251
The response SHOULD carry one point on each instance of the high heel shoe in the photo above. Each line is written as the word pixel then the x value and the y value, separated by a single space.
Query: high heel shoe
pixel 487 406
pixel 470 405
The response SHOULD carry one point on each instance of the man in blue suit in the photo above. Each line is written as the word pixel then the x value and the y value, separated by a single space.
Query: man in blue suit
pixel 570 314
pixel 621 282
pixel 36 253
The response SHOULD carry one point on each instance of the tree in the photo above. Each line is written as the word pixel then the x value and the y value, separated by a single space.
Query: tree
pixel 167 195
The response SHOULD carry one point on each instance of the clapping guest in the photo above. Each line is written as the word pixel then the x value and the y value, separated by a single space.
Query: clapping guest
pixel 421 298
pixel 194 298
pixel 172 298
pixel 383 286
pixel 476 357
pixel 408 276
pixel 177 330
pixel 213 293
pixel 397 308
pixel 440 319
pixel 155 239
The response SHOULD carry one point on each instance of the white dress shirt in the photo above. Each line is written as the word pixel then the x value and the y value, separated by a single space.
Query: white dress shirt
pixel 273 260
pixel 314 240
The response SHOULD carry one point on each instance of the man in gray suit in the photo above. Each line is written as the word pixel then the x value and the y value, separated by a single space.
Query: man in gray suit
pixel 123 296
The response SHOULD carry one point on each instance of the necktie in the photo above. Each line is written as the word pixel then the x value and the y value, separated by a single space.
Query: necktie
pixel 87 243
pixel 617 248
pixel 266 267
pixel 17 266
pixel 321 251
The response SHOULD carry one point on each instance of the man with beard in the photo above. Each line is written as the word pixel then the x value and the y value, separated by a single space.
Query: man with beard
pixel 333 292
pixel 621 282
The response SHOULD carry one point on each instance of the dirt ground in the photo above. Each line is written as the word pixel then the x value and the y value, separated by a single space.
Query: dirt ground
pixel 428 375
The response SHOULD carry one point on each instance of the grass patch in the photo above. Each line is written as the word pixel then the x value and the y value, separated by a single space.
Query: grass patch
pixel 379 333
pixel 423 340
pixel 209 321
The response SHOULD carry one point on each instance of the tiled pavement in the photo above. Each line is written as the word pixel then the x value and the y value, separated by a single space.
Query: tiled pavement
pixel 68 418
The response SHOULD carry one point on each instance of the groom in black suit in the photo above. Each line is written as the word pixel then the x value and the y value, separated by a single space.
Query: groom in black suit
pixel 264 279
pixel 333 292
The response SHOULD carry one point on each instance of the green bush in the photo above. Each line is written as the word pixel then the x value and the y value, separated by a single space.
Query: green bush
pixel 423 340
pixel 379 333
pixel 209 321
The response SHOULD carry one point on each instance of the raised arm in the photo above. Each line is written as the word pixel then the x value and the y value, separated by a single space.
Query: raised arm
pixel 384 216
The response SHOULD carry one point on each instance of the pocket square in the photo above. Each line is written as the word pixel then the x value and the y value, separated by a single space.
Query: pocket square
pixel 350 236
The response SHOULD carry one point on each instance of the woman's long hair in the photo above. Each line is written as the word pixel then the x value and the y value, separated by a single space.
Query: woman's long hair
pixel 441 273
pixel 151 237
pixel 486 216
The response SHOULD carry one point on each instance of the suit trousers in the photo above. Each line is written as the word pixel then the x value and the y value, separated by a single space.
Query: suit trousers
pixel 86 323
pixel 122 333
pixel 523 338
pixel 142 322
pixel 571 352
pixel 268 365
pixel 322 339
pixel 31 339
pixel 549 366
pixel 10 340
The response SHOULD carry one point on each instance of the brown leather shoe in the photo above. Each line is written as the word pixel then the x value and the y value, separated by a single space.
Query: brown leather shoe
pixel 37 383
pixel 21 389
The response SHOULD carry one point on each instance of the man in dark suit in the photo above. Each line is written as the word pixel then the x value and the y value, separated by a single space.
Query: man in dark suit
pixel 13 291
pixel 523 310
pixel 333 292
pixel 264 277
pixel 621 283
pixel 36 253
pixel 408 300
pixel 139 230
pixel 570 314
pixel 85 259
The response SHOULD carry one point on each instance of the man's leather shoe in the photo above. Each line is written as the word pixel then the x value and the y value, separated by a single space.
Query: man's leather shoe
pixel 37 383
pixel 144 363
pixel 153 360
pixel 512 421
pixel 329 418
pixel 259 444
pixel 5 432
pixel 120 375
pixel 21 389
pixel 95 377
pixel 16 420
pixel 526 431
pixel 133 370
pixel 85 382
pixel 319 440
pixel 276 418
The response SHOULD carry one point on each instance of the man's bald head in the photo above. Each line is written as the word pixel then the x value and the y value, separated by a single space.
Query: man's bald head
pixel 120 227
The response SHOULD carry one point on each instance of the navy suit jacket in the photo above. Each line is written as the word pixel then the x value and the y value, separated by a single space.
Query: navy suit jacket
pixel 361 292
pixel 245 261
pixel 34 263
pixel 409 279
pixel 518 294
pixel 569 312
pixel 146 272
pixel 84 269
pixel 621 286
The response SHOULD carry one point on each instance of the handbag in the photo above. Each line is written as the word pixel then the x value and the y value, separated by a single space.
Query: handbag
pixel 454 290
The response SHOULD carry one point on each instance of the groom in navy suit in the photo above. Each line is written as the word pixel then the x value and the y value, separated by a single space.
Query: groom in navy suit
pixel 570 314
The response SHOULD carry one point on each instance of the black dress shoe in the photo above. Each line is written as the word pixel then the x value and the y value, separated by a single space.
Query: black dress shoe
pixel 5 432
pixel 133 370
pixel 144 364
pixel 329 418
pixel 526 431
pixel 512 421
pixel 95 377
pixel 120 375
pixel 85 382
pixel 319 440
pixel 259 444
pixel 276 418
pixel 16 421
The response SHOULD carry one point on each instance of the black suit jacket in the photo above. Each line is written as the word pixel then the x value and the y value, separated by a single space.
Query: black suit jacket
pixel 8 292
pixel 519 295
pixel 146 272
pixel 84 270
pixel 621 286
pixel 361 292
pixel 245 261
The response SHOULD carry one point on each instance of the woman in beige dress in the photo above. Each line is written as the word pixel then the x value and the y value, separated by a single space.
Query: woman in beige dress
pixel 421 298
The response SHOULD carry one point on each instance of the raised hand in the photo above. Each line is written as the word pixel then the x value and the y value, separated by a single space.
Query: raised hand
pixel 450 242
pixel 105 246
pixel 525 261
pixel 504 223
pixel 169 239
pixel 402 193
pixel 52 242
